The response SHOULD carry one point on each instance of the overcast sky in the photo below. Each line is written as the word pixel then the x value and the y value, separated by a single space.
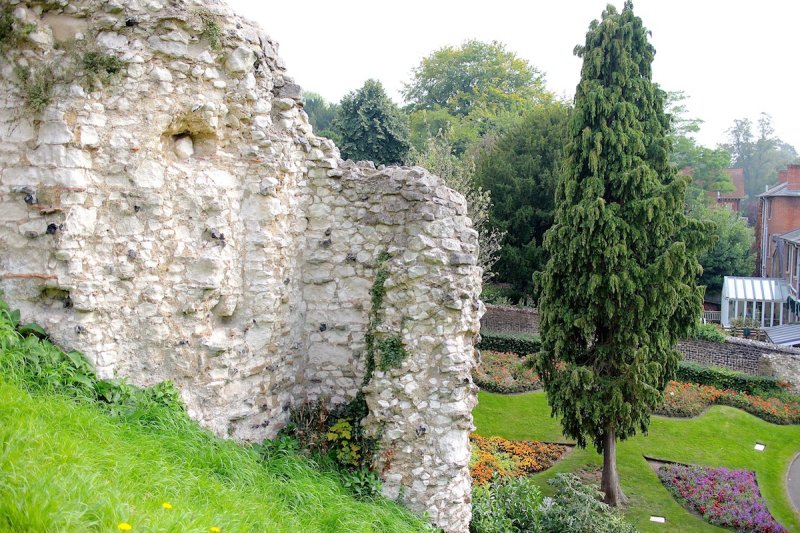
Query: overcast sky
pixel 733 58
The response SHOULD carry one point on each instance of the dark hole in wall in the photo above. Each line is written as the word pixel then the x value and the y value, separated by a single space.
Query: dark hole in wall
pixel 190 136
pixel 55 298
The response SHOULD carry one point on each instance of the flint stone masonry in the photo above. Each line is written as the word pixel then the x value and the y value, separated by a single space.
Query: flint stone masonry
pixel 783 365
pixel 745 355
pixel 182 221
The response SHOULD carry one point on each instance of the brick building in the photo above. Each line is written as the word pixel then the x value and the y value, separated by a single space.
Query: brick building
pixel 731 199
pixel 779 214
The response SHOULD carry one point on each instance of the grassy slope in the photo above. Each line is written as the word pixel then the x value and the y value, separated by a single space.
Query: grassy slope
pixel 723 436
pixel 69 467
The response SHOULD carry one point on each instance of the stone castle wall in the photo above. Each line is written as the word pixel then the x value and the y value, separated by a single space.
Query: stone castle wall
pixel 180 220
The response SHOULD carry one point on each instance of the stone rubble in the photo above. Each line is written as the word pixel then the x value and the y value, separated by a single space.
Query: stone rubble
pixel 182 222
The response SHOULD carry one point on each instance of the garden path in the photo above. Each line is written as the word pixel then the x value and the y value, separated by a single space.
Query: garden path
pixel 793 482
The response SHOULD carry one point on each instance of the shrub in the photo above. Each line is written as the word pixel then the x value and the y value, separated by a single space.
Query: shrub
pixel 391 353
pixel 362 483
pixel 576 508
pixel 12 31
pixel 499 294
pixel 505 373
pixel 344 443
pixel 505 505
pixel 708 332
pixel 500 342
pixel 727 498
pixel 335 436
pixel 211 29
pixel 726 379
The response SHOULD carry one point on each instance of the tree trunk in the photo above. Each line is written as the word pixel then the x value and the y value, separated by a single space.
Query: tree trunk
pixel 609 483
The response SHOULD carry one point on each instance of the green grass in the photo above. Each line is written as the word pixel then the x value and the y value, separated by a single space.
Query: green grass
pixel 68 466
pixel 722 436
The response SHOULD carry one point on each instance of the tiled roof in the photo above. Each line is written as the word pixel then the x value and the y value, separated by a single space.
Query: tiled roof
pixel 792 236
pixel 781 189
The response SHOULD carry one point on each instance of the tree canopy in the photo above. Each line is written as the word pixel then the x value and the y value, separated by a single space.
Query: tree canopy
pixel 371 126
pixel 521 169
pixel 474 76
pixel 731 253
pixel 760 156
pixel 619 288
pixel 320 112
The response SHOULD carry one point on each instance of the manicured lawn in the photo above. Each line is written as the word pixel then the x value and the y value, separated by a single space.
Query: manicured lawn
pixel 723 436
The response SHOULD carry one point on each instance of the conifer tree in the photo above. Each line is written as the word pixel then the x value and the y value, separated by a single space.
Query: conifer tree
pixel 371 127
pixel 619 288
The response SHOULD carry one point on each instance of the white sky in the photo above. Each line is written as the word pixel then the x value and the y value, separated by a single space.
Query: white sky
pixel 733 58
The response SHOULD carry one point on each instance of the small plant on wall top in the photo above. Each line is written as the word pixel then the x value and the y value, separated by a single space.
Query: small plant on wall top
pixel 211 29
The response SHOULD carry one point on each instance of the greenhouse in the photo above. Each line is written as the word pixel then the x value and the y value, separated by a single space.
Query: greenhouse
pixel 754 302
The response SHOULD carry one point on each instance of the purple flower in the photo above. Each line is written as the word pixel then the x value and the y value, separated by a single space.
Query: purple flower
pixel 727 498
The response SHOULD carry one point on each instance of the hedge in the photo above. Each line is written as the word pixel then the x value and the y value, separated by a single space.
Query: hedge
pixel 726 379
pixel 518 344
pixel 708 332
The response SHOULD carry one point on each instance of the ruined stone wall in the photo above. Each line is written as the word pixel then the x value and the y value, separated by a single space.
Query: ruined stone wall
pixel 179 220
pixel 421 408
pixel 784 366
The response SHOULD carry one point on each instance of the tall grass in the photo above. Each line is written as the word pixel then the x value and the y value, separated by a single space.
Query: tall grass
pixel 78 461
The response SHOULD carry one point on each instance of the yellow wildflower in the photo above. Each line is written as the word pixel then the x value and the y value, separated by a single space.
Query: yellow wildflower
pixel 215 529
pixel 124 526
pixel 166 505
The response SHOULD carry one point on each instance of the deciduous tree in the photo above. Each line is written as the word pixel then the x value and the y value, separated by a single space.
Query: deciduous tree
pixel 761 157
pixel 619 288
pixel 475 76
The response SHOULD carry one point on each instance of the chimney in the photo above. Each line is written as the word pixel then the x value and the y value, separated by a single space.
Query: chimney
pixel 793 177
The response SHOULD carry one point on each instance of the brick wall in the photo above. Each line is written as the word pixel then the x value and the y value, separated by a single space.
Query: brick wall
pixel 502 319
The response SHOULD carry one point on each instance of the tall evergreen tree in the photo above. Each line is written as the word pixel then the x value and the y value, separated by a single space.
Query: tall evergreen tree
pixel 371 126
pixel 619 288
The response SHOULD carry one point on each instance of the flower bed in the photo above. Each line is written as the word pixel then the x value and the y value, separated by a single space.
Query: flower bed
pixel 502 457
pixel 727 498
pixel 504 373
pixel 690 399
